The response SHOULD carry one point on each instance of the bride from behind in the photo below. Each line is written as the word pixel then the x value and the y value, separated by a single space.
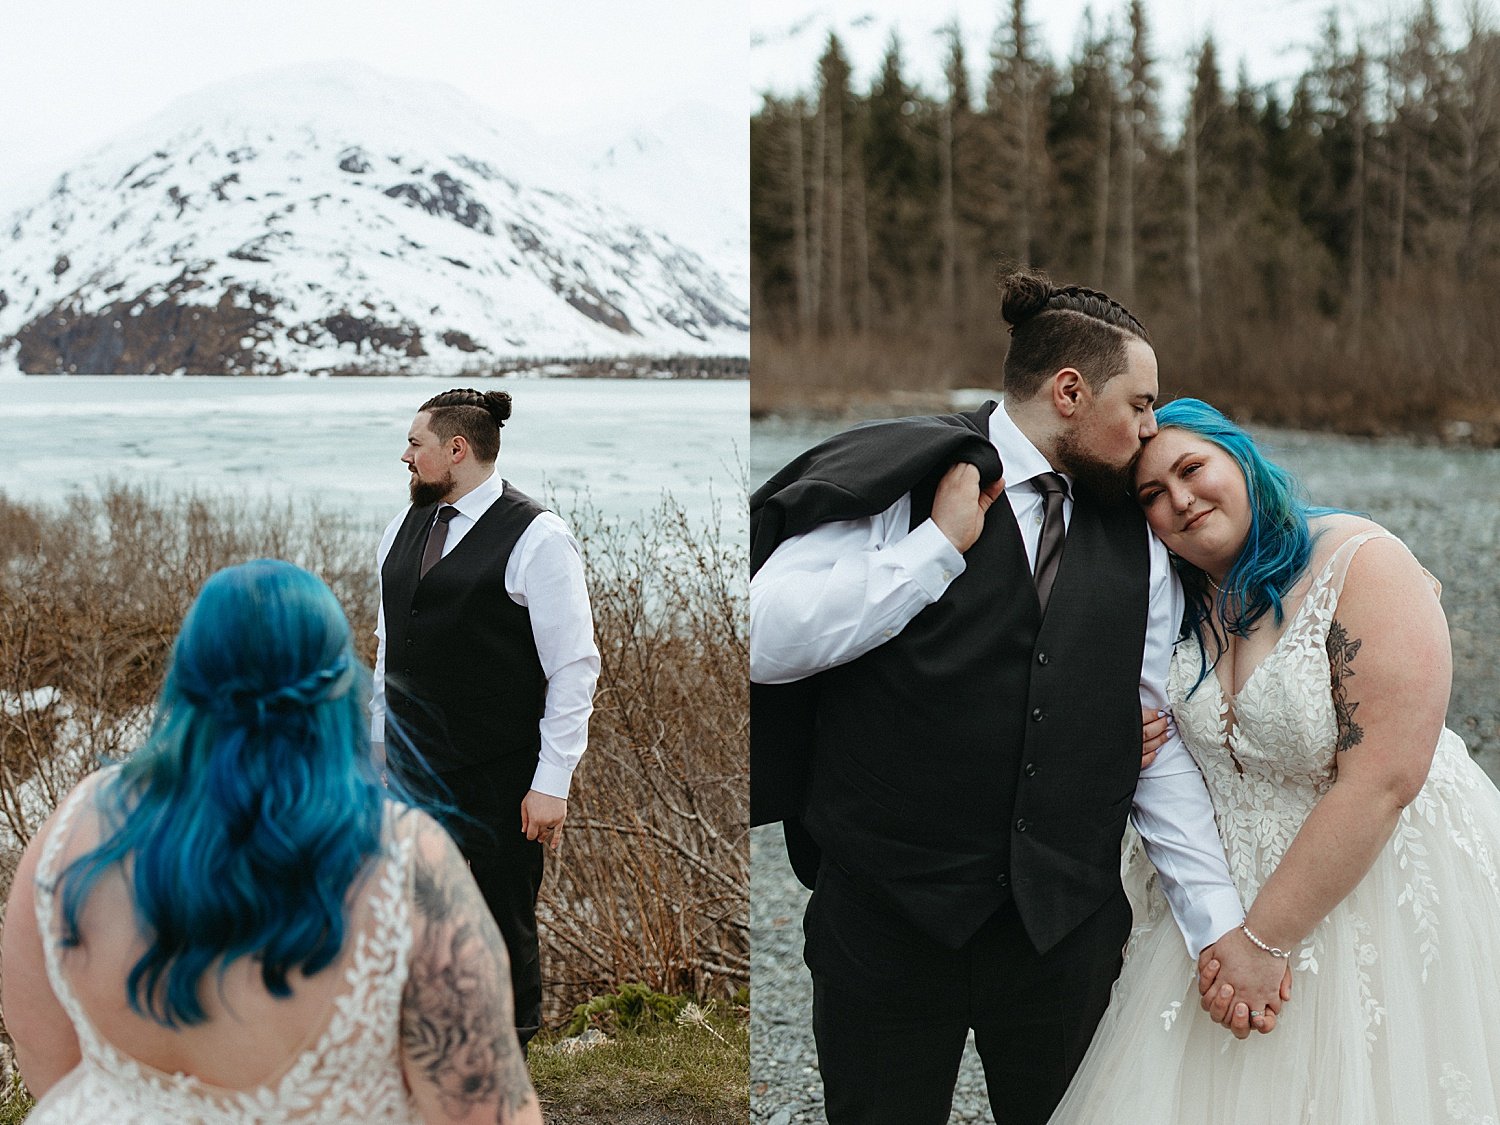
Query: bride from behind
pixel 237 925
pixel 1310 686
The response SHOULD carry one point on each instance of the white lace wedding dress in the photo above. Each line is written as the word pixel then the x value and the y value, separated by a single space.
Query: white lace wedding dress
pixel 351 1073
pixel 1395 1010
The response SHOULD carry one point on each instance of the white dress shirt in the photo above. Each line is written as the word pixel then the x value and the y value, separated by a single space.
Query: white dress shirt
pixel 544 574
pixel 830 595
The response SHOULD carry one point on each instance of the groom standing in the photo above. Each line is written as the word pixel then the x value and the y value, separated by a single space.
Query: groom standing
pixel 486 662
pixel 954 739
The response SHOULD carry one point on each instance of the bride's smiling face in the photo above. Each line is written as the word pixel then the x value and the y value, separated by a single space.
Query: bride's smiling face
pixel 1195 499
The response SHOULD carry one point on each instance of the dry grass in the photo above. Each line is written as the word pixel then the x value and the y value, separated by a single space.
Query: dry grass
pixel 652 882
pixel 1429 369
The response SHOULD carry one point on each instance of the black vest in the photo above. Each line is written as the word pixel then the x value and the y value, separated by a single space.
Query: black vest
pixel 985 752
pixel 462 676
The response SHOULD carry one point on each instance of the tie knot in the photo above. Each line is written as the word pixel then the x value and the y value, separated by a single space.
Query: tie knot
pixel 1049 482
pixel 446 513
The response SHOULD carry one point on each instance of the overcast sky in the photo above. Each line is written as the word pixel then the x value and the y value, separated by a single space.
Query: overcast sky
pixel 77 72
pixel 1270 36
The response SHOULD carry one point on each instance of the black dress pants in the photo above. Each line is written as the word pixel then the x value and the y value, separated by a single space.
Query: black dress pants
pixel 892 1008
pixel 508 869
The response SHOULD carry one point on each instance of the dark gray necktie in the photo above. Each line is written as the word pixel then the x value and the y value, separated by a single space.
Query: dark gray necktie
pixel 437 537
pixel 1050 547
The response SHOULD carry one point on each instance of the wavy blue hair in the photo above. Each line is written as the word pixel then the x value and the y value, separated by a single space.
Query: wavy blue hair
pixel 253 805
pixel 1276 552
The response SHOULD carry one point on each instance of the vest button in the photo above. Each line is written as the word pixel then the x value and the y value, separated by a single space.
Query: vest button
pixel 414 613
pixel 1003 879
pixel 1030 769
pixel 1021 825
pixel 1037 714
pixel 1041 657
pixel 410 643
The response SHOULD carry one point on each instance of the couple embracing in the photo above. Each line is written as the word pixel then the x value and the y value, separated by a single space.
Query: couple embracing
pixel 959 626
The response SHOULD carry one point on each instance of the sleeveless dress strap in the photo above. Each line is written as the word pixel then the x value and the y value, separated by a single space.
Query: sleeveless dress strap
pixel 1338 563
pixel 48 921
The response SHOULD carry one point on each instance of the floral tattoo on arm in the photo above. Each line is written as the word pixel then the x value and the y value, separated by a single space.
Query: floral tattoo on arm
pixel 457 1019
pixel 1341 653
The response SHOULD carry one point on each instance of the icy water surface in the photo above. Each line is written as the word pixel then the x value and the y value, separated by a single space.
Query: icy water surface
pixel 618 443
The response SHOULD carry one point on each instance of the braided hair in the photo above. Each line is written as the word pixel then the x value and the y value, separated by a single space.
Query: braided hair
pixel 1054 327
pixel 477 415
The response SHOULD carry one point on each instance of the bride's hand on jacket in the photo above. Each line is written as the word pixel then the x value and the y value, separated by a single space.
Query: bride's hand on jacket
pixel 1156 728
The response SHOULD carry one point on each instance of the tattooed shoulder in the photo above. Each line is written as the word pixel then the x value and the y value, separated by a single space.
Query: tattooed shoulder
pixel 457 1019
pixel 1341 653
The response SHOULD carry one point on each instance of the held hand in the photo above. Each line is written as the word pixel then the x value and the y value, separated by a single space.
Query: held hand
pixel 1236 978
pixel 959 505
pixel 1155 729
pixel 542 817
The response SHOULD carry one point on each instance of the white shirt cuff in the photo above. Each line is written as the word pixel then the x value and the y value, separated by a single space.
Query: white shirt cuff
pixel 929 557
pixel 1208 917
pixel 552 780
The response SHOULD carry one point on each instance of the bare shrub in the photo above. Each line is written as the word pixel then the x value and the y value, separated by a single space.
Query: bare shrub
pixel 652 880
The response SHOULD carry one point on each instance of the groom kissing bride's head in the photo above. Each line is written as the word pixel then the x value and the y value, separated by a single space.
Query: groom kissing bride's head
pixel 1081 372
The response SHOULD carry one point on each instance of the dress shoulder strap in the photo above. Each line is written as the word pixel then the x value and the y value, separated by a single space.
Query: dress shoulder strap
pixel 48 921
pixel 1336 569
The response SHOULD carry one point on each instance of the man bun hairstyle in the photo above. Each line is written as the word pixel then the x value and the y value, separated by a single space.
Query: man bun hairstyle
pixel 477 415
pixel 1054 327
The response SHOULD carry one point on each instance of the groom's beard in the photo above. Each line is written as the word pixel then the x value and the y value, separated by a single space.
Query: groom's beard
pixel 424 492
pixel 1105 483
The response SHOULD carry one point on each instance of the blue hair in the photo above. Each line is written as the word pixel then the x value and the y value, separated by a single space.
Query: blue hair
pixel 253 805
pixel 1275 554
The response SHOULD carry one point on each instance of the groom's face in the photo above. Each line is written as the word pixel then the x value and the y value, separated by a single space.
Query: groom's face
pixel 427 458
pixel 1112 425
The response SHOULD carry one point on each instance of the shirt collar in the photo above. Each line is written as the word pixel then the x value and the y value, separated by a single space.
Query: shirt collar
pixel 1022 460
pixel 477 500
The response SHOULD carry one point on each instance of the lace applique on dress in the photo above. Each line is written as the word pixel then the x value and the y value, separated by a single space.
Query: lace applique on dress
pixel 1391 1020
pixel 351 1073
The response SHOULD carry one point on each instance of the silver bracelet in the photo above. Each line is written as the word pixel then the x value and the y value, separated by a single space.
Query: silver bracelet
pixel 1271 949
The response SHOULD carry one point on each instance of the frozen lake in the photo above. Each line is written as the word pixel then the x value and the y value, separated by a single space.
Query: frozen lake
pixel 618 444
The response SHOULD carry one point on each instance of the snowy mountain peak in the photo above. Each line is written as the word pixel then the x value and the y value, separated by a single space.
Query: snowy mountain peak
pixel 333 218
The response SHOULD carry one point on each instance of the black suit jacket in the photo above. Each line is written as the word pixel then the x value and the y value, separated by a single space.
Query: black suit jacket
pixel 852 475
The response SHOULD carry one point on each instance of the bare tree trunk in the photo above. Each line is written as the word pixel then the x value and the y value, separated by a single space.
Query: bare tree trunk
pixel 1358 186
pixel 836 304
pixel 859 217
pixel 801 266
pixel 1398 215
pixel 1102 172
pixel 819 218
pixel 949 224
pixel 1194 261
pixel 1127 206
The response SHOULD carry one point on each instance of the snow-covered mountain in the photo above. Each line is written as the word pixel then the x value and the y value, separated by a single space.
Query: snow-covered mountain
pixel 331 218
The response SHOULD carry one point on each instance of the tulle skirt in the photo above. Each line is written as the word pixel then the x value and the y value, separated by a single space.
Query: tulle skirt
pixel 1395 1010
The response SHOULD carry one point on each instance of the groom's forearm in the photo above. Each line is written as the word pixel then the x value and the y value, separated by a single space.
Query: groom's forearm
pixel 830 596
pixel 1175 818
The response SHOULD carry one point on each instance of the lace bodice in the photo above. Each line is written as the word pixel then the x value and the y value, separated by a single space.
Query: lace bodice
pixel 1269 753
pixel 352 1072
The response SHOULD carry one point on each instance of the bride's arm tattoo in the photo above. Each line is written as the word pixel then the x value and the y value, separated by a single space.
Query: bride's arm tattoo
pixel 457 1016
pixel 1341 653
